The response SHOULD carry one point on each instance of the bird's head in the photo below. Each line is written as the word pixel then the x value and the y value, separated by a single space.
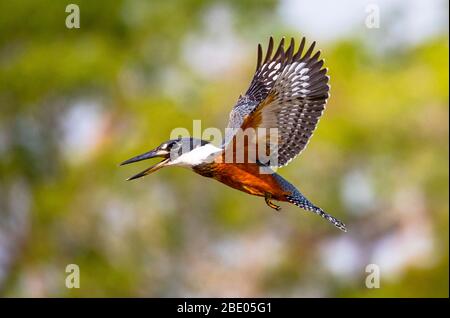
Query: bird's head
pixel 175 152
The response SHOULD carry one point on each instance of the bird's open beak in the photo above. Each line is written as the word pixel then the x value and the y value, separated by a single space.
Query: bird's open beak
pixel 148 155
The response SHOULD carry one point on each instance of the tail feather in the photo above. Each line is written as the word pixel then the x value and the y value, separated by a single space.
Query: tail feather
pixel 300 201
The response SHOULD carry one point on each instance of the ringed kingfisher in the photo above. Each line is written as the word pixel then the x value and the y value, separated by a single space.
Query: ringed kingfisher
pixel 288 93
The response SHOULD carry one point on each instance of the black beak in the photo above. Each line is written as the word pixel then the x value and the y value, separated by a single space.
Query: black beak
pixel 148 155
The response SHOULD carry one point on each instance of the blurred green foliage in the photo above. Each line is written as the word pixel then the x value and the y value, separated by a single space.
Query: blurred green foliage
pixel 126 75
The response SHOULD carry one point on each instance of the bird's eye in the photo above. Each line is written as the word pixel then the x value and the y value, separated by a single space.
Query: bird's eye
pixel 168 146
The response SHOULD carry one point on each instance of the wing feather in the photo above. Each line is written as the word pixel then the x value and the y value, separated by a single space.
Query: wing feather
pixel 289 91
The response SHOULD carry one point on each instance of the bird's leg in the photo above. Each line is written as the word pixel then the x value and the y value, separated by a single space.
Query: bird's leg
pixel 268 198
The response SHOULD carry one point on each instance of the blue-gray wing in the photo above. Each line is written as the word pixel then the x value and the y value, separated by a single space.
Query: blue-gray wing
pixel 288 92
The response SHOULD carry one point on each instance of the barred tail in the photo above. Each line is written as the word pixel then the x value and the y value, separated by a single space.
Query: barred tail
pixel 300 201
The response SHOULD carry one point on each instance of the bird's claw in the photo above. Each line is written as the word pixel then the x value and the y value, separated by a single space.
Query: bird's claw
pixel 269 202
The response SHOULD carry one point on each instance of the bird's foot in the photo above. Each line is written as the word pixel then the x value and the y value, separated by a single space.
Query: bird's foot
pixel 268 198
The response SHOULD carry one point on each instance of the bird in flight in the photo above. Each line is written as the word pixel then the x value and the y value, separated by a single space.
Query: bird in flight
pixel 281 109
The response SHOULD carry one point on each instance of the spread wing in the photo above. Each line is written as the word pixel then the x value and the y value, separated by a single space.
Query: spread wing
pixel 289 92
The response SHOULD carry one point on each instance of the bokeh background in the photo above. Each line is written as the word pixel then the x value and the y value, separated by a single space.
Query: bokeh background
pixel 76 102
